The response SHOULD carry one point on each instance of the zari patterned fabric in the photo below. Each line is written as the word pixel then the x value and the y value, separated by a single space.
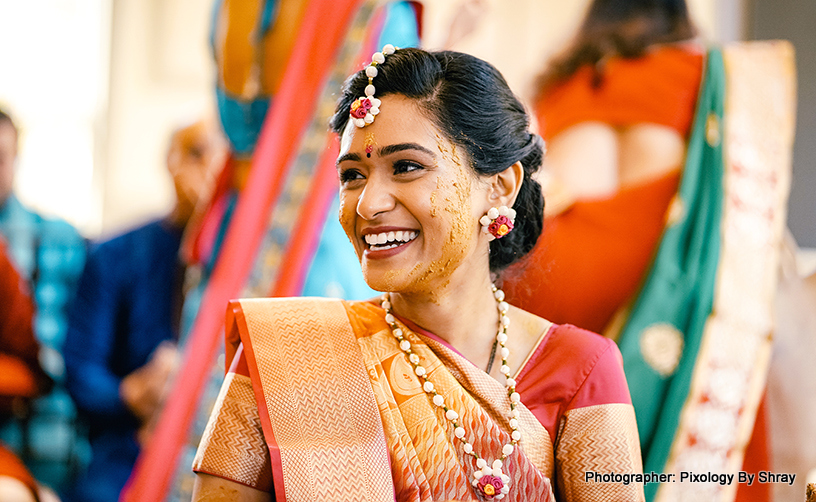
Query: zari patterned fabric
pixel 426 461
pixel 566 378
pixel 230 441
pixel 584 433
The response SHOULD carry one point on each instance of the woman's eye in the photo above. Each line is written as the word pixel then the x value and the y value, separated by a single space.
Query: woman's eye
pixel 350 175
pixel 406 166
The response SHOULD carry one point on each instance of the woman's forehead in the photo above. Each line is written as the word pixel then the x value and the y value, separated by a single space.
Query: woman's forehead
pixel 400 120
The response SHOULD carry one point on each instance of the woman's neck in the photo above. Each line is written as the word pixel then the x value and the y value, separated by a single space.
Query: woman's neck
pixel 462 312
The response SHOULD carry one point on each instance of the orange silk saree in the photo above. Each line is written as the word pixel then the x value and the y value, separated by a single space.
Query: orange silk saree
pixel 320 404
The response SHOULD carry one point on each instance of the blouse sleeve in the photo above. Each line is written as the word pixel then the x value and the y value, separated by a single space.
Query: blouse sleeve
pixel 233 445
pixel 598 434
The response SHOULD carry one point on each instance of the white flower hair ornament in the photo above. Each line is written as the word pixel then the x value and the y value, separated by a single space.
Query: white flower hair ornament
pixel 365 108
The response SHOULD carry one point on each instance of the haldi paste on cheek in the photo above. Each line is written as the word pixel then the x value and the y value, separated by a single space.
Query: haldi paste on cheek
pixel 347 221
pixel 456 208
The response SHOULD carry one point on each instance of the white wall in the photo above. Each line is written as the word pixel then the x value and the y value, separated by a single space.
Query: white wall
pixel 161 75
pixel 53 79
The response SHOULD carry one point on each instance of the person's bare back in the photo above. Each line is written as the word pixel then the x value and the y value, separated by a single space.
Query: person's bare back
pixel 594 160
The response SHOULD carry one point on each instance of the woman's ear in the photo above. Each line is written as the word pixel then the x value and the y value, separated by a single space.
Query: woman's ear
pixel 505 186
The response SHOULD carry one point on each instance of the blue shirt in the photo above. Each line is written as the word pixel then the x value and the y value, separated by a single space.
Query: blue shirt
pixel 123 310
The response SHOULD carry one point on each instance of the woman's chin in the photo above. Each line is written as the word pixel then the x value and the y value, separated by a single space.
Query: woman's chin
pixel 388 280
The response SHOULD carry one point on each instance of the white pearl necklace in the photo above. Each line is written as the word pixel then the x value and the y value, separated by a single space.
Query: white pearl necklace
pixel 488 479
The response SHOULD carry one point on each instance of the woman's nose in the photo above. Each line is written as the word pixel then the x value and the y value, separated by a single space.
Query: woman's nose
pixel 377 198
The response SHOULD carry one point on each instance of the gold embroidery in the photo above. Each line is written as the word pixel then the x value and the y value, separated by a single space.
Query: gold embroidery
pixel 233 445
pixel 676 212
pixel 757 141
pixel 662 345
pixel 713 135
pixel 600 439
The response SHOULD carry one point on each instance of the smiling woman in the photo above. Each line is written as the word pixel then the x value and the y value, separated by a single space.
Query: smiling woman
pixel 399 398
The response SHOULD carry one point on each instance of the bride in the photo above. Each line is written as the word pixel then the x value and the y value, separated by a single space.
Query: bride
pixel 438 390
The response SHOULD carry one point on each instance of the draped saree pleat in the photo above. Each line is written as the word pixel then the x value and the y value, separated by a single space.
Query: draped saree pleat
pixel 345 418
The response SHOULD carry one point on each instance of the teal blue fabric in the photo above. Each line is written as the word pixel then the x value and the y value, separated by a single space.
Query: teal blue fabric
pixel 400 28
pixel 335 270
pixel 679 290
pixel 270 13
pixel 241 119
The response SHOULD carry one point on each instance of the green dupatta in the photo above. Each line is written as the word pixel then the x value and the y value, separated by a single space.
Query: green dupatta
pixel 662 335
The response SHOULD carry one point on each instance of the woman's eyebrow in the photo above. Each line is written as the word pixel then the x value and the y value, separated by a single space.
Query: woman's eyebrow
pixel 349 156
pixel 399 147
pixel 387 150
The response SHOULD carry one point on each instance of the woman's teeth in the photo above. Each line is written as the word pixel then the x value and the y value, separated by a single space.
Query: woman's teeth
pixel 388 240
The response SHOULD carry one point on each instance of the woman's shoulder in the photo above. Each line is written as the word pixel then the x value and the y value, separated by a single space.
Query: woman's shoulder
pixel 565 341
pixel 580 366
pixel 580 350
pixel 566 338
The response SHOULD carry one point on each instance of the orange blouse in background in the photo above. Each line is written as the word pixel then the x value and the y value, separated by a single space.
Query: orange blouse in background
pixel 592 258
pixel 660 88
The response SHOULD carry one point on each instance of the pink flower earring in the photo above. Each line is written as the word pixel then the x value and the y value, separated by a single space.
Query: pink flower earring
pixel 498 222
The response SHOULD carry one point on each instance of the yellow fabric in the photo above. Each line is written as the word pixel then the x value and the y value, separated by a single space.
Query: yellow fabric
pixel 250 67
pixel 317 399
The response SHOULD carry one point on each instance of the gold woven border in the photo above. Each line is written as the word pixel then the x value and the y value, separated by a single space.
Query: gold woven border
pixel 233 445
pixel 319 400
pixel 603 439
pixel 729 376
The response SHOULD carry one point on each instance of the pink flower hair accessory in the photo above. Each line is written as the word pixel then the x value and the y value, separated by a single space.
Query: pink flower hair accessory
pixel 498 222
pixel 365 108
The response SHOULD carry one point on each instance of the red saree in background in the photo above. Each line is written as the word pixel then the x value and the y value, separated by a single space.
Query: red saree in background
pixel 591 258
pixel 351 398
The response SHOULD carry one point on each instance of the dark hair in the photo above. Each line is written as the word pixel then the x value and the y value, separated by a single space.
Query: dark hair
pixel 624 28
pixel 471 103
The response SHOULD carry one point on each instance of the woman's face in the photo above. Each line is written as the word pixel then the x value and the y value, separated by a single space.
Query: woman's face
pixel 409 202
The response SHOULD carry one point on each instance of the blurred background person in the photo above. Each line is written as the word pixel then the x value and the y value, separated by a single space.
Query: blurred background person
pixel 620 110
pixel 615 109
pixel 21 377
pixel 120 349
pixel 49 254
